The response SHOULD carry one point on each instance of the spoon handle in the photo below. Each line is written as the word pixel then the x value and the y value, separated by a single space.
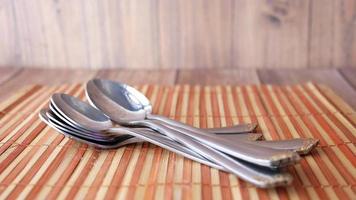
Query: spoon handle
pixel 259 176
pixel 235 129
pixel 242 136
pixel 162 141
pixel 261 155
pixel 239 132
pixel 300 145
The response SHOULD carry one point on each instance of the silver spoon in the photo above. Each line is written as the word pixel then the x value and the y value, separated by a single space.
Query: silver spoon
pixel 127 106
pixel 68 132
pixel 301 146
pixel 242 136
pixel 97 90
pixel 72 109
pixel 135 101
pixel 83 114
pixel 123 139
pixel 57 119
pixel 255 171
pixel 101 140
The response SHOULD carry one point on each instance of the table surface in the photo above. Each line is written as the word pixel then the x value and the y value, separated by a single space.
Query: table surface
pixel 342 81
pixel 28 144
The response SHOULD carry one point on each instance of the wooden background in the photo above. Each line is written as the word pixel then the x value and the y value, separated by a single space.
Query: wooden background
pixel 178 33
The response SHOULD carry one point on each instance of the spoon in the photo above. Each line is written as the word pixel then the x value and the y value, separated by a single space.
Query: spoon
pixel 54 119
pixel 255 171
pixel 54 115
pixel 97 89
pixel 90 118
pixel 68 132
pixel 120 141
pixel 301 146
pixel 133 100
pixel 127 106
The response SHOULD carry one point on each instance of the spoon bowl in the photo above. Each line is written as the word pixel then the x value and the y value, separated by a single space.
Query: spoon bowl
pixel 85 116
pixel 54 119
pixel 120 141
pixel 102 94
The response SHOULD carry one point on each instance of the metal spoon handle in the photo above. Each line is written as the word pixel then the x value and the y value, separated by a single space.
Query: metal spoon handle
pixel 162 141
pixel 300 145
pixel 242 136
pixel 259 176
pixel 236 129
pixel 250 152
pixel 239 132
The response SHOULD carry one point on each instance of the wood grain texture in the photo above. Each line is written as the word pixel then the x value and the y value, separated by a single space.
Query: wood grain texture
pixel 271 34
pixel 332 33
pixel 217 77
pixel 341 83
pixel 139 77
pixel 43 76
pixel 14 79
pixel 178 34
pixel 350 76
pixel 8 73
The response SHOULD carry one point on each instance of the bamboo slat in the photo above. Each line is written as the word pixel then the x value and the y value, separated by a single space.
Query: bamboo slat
pixel 37 162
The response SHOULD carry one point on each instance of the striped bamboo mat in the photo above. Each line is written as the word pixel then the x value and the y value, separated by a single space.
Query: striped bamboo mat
pixel 37 162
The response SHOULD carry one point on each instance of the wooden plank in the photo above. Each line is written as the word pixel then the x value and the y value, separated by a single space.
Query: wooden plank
pixel 45 77
pixel 350 75
pixel 271 34
pixel 344 43
pixel 178 34
pixel 330 77
pixel 217 77
pixel 332 31
pixel 139 77
pixel 8 73
pixel 30 76
pixel 139 27
pixel 203 35
pixel 321 33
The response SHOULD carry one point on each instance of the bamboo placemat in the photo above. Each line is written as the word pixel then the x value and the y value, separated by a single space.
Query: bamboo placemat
pixel 37 162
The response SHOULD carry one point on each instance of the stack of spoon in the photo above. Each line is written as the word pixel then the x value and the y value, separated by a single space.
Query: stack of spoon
pixel 119 115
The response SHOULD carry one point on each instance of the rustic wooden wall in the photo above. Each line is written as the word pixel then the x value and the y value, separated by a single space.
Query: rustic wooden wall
pixel 178 33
